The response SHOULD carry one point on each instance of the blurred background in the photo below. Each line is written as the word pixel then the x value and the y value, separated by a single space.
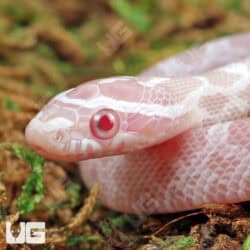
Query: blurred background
pixel 48 46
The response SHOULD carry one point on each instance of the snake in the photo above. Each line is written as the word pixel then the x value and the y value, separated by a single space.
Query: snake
pixel 176 137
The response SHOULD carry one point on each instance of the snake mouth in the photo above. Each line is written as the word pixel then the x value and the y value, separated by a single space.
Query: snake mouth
pixel 38 149
pixel 41 151
pixel 56 157
pixel 46 145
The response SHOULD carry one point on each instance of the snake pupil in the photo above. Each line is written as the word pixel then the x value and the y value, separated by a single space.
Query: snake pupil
pixel 105 123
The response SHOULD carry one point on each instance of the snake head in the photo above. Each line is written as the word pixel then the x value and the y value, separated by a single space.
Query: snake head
pixel 104 117
pixel 91 120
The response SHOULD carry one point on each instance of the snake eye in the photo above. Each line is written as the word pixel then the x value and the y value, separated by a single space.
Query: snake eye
pixel 105 124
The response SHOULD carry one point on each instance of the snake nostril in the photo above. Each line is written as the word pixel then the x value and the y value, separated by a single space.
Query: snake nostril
pixel 59 136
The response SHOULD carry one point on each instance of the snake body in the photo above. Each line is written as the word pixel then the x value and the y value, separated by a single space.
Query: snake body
pixel 174 138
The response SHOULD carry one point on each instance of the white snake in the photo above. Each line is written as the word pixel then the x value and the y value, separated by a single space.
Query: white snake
pixel 174 138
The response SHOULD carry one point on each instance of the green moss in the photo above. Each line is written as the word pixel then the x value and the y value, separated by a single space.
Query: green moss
pixel 177 243
pixel 74 190
pixel 119 66
pixel 33 189
pixel 122 221
pixel 45 51
pixel 78 239
pixel 106 228
pixel 136 63
pixel 234 5
pixel 246 244
pixel 9 104
pixel 135 16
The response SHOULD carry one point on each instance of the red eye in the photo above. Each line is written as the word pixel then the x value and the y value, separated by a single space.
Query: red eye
pixel 105 124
